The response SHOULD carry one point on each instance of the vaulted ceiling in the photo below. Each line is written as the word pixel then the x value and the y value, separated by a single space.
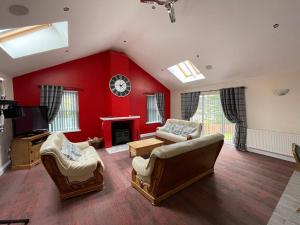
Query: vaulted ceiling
pixel 236 37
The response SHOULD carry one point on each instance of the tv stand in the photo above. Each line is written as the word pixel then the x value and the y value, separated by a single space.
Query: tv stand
pixel 25 151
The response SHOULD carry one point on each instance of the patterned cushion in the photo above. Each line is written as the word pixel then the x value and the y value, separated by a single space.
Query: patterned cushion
pixel 71 151
pixel 169 127
pixel 177 129
pixel 187 130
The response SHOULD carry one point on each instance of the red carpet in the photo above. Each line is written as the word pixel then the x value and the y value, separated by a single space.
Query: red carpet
pixel 244 190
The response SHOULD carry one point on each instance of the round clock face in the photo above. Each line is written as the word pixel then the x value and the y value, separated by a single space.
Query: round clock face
pixel 120 85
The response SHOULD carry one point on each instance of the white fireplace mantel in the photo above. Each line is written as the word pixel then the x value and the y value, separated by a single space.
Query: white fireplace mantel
pixel 119 118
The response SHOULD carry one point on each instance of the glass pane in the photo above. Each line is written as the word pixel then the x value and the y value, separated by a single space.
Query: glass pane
pixel 152 110
pixel 210 113
pixel 67 116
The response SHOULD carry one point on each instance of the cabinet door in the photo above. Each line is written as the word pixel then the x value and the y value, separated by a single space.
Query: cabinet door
pixel 35 152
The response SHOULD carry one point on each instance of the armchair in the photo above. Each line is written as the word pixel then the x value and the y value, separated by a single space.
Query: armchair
pixel 72 178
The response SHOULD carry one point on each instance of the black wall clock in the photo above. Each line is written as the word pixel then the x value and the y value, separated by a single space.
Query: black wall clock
pixel 120 85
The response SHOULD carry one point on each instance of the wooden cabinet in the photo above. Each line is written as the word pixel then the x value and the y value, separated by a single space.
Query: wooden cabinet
pixel 25 151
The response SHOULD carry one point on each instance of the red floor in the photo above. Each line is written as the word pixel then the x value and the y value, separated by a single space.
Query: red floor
pixel 244 190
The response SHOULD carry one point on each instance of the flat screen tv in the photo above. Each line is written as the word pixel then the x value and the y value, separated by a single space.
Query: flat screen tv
pixel 34 120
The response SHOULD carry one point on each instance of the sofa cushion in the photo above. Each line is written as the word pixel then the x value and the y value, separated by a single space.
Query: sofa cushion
pixel 170 136
pixel 177 129
pixel 187 130
pixel 168 151
pixel 168 127
pixel 70 150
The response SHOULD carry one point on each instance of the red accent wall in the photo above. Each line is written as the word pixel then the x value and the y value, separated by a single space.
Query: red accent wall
pixel 91 76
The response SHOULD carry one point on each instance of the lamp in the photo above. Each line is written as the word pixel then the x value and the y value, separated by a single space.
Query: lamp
pixel 281 92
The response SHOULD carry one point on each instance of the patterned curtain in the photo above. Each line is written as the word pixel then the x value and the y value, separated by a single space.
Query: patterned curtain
pixel 234 107
pixel 189 104
pixel 161 106
pixel 51 97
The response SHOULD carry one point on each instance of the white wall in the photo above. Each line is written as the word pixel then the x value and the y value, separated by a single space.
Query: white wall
pixel 264 110
pixel 6 136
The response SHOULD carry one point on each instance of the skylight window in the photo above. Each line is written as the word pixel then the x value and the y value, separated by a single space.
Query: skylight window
pixel 186 72
pixel 20 42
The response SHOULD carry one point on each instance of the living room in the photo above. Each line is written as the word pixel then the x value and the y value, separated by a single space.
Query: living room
pixel 149 112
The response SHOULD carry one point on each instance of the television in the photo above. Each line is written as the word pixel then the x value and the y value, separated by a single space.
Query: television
pixel 33 120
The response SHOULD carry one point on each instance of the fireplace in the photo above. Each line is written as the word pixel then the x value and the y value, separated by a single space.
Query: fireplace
pixel 121 132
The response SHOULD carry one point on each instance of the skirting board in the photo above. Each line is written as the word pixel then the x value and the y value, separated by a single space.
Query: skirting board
pixel 271 154
pixel 147 135
pixel 4 167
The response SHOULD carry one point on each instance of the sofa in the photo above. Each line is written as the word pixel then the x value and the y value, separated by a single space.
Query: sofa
pixel 296 153
pixel 178 130
pixel 72 178
pixel 171 168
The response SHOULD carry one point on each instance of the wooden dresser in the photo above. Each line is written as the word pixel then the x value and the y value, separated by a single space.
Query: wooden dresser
pixel 25 151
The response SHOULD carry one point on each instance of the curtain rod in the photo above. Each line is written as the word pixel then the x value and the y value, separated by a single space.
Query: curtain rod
pixel 67 88
pixel 213 90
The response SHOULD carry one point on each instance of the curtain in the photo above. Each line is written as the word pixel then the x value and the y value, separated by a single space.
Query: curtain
pixel 161 106
pixel 189 104
pixel 51 96
pixel 234 107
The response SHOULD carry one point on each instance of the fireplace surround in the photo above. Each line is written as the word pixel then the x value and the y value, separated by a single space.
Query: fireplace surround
pixel 129 122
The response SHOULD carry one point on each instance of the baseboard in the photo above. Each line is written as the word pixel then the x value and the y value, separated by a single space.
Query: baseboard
pixel 271 154
pixel 147 135
pixel 4 167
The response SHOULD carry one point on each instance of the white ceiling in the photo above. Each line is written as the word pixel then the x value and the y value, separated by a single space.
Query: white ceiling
pixel 235 36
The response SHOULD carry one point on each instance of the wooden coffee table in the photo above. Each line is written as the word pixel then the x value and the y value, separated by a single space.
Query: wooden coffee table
pixel 143 147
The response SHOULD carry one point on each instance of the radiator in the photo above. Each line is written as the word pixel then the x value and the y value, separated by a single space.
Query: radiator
pixel 272 141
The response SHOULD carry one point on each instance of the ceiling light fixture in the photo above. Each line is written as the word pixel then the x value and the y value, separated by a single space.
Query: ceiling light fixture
pixel 276 25
pixel 169 5
pixel 18 10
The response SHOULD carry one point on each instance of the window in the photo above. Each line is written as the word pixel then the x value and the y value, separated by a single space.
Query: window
pixel 186 72
pixel 153 115
pixel 210 113
pixel 24 41
pixel 66 119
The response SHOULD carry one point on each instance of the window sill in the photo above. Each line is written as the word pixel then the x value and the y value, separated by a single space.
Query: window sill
pixel 153 122
pixel 67 131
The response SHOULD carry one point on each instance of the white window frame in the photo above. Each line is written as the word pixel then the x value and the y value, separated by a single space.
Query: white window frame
pixel 157 111
pixel 74 109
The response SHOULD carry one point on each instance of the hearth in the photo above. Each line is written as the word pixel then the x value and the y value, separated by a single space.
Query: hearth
pixel 121 132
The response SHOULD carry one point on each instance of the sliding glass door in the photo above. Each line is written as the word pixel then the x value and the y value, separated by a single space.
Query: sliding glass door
pixel 210 113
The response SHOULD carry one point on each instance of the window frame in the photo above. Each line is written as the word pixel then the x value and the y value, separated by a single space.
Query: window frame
pixel 147 119
pixel 78 122
pixel 202 101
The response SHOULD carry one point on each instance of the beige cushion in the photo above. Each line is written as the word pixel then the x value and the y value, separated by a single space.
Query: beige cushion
pixel 84 167
pixel 170 136
pixel 144 167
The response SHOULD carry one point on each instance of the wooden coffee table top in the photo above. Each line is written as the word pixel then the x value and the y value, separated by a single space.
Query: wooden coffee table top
pixel 145 143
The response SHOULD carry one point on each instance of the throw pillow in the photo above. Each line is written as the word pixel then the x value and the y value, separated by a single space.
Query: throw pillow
pixel 168 127
pixel 177 129
pixel 187 130
pixel 71 151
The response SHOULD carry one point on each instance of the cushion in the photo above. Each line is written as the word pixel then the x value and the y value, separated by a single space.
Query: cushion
pixel 71 151
pixel 187 130
pixel 177 129
pixel 168 127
